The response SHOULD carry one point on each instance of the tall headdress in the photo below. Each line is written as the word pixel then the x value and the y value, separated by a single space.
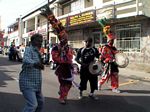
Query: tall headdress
pixel 106 29
pixel 56 24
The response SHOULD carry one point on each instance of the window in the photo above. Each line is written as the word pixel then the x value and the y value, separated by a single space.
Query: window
pixel 128 37
pixel 66 9
pixel 38 22
pixel 88 3
pixel 24 24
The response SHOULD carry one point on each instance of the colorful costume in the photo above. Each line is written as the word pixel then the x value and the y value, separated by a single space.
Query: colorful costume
pixel 111 68
pixel 62 54
pixel 63 70
pixel 108 58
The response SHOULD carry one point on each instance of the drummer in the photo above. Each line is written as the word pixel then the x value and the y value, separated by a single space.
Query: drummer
pixel 85 56
pixel 110 68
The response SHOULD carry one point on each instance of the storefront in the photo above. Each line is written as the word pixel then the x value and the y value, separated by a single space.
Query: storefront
pixel 79 27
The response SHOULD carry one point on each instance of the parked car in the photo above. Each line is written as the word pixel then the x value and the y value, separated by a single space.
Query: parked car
pixel 53 64
pixel 1 50
pixel 20 52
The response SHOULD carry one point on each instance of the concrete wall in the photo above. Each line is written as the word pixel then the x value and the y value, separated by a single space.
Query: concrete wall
pixel 144 55
pixel 146 8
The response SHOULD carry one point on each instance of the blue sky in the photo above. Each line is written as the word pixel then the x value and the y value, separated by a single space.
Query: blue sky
pixel 12 9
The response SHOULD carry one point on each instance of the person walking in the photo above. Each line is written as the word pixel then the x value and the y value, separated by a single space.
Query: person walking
pixel 62 54
pixel 30 77
pixel 85 56
pixel 111 70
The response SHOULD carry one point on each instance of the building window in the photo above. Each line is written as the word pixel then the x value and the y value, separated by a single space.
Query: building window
pixel 38 22
pixel 88 3
pixel 24 24
pixel 66 9
pixel 128 37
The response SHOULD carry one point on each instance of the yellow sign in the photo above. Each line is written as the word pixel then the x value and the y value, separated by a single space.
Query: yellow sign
pixel 81 18
pixel 63 21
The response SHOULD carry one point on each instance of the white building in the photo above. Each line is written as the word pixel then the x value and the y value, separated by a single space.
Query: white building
pixel 128 18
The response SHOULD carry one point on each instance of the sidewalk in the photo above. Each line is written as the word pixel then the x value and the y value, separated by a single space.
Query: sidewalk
pixel 134 74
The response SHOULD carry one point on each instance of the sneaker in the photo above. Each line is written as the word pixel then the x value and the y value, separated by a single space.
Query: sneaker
pixel 80 95
pixel 99 87
pixel 115 90
pixel 92 96
pixel 62 101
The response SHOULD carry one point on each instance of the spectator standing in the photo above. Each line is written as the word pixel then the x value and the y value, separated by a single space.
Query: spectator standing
pixel 30 78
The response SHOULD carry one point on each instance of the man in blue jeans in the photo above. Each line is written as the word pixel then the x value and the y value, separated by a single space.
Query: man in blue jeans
pixel 30 78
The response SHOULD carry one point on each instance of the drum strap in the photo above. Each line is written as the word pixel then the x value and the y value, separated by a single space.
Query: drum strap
pixel 82 50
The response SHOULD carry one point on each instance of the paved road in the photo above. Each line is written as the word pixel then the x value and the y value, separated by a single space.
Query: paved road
pixel 134 97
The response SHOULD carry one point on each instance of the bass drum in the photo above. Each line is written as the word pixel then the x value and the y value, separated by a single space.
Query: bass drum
pixel 122 60
pixel 96 68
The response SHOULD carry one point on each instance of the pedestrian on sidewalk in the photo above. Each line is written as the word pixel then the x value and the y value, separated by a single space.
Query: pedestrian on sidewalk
pixel 30 78
pixel 85 56
pixel 111 70
pixel 62 54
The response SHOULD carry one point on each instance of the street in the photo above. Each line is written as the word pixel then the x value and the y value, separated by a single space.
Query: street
pixel 134 96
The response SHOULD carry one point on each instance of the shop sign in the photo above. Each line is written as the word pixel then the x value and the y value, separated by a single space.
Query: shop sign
pixel 105 13
pixel 82 18
pixel 31 33
pixel 43 32
pixel 63 21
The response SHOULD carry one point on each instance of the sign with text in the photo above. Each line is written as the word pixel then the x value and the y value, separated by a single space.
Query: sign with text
pixel 82 18
pixel 63 21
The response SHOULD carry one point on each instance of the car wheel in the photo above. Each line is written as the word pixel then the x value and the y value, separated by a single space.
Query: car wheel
pixel 51 65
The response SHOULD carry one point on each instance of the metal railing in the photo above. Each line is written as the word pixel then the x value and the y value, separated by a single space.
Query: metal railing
pixel 128 45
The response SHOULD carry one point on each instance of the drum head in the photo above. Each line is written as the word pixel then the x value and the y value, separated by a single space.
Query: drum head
pixel 122 60
pixel 95 68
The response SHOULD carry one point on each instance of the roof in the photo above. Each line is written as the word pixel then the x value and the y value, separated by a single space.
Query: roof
pixel 37 9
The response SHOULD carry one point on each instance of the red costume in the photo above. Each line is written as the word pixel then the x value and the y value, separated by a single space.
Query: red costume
pixel 108 58
pixel 62 54
pixel 63 70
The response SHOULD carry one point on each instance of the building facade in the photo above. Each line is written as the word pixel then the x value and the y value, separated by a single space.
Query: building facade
pixel 129 20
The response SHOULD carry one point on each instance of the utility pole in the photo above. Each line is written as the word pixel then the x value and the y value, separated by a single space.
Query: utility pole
pixel 45 11
pixel 47 42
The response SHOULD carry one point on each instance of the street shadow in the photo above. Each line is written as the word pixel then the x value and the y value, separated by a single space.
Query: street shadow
pixel 106 103
pixel 4 78
pixel 11 102
pixel 4 61
pixel 7 71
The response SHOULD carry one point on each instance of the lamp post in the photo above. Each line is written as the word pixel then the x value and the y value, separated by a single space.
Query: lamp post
pixel 47 44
